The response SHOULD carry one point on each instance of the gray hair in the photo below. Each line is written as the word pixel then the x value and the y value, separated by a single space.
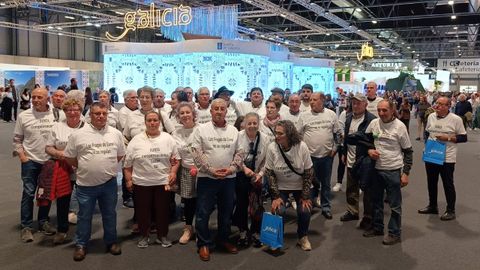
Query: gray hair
pixel 252 114
pixel 159 91
pixel 203 88
pixel 128 92
pixel 185 104
pixel 146 89
pixel 219 100
pixel 78 96
pixel 104 92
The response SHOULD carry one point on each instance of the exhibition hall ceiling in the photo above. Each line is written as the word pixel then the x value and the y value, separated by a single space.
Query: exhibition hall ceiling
pixel 407 29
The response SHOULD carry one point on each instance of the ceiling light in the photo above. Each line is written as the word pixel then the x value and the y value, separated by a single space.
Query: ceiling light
pixel 403 43
pixel 374 22
pixel 413 51
pixel 283 15
pixel 97 25
pixel 94 17
pixel 310 48
pixel 408 47
pixel 450 2
pixel 119 27
pixel 60 34
pixel 303 49
pixel 343 40
pixel 455 28
pixel 251 29
pixel 453 17
pixel 458 46
pixel 85 16
pixel 262 36
pixel 50 27
pixel 3 4
pixel 89 23
pixel 158 34
pixel 90 38
pixel 358 9
pixel 286 42
pixel 59 28
pixel 328 34
pixel 119 13
pixel 70 17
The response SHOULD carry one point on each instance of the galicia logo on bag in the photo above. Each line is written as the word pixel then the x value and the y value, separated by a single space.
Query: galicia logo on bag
pixel 270 229
pixel 435 151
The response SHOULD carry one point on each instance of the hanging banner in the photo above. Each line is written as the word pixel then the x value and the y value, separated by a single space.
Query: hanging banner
pixel 460 65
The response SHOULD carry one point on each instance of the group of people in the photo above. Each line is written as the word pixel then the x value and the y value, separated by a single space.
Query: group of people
pixel 10 99
pixel 220 154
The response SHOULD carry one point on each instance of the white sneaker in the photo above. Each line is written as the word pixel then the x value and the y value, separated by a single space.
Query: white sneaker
pixel 294 204
pixel 143 242
pixel 304 244
pixel 337 187
pixel 164 242
pixel 72 218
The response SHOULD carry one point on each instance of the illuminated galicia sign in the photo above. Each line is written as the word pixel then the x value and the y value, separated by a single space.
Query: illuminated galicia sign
pixel 154 18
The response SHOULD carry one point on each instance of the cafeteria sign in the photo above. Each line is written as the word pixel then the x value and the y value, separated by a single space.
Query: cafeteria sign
pixel 154 18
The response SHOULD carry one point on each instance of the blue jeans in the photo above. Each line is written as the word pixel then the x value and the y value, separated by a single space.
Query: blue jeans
pixel 30 171
pixel 390 182
pixel 87 197
pixel 323 172
pixel 303 215
pixel 209 192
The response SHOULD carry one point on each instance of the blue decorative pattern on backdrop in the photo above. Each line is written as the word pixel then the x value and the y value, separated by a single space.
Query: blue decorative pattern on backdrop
pixel 218 21
pixel 280 74
pixel 322 79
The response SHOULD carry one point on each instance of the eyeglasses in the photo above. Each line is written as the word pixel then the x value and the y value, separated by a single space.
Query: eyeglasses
pixel 72 110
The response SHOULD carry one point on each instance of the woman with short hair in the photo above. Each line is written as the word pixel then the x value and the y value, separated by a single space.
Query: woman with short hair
pixel 186 115
pixel 149 172
pixel 272 106
pixel 56 143
pixel 289 169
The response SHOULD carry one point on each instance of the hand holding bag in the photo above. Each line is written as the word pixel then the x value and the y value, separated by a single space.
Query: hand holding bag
pixel 271 233
pixel 434 152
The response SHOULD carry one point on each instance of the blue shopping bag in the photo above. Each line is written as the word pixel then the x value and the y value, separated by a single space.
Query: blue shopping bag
pixel 271 233
pixel 434 152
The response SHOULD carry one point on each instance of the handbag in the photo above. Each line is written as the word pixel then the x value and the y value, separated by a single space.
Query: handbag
pixel 434 152
pixel 271 232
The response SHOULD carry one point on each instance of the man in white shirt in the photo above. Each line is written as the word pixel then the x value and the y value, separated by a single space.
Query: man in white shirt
pixel 57 101
pixel 320 130
pixel 372 98
pixel 307 90
pixel 29 140
pixel 203 106
pixel 131 104
pixel 226 94
pixel 255 104
pixel 218 157
pixel 159 101
pixel 393 155
pixel 294 109
pixel 95 151
pixel 447 128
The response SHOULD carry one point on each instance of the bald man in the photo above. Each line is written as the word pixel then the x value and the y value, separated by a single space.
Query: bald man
pixel 29 141
pixel 57 101
pixel 372 98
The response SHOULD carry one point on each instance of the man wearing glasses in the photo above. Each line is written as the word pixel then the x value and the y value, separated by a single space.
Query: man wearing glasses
pixel 448 128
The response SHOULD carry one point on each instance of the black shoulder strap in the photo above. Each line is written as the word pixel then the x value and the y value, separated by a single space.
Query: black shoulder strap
pixel 289 164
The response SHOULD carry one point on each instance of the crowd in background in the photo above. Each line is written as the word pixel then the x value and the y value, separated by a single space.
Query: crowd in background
pixel 218 153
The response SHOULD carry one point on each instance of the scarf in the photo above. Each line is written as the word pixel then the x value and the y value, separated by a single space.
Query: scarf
pixel 270 123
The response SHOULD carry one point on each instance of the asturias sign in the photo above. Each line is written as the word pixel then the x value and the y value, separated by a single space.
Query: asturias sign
pixel 154 18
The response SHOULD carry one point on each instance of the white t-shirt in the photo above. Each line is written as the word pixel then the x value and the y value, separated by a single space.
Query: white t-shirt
pixel 292 117
pixel 317 130
pixel 60 134
pixel 304 106
pixel 112 119
pixel 35 128
pixel 135 124
pixel 231 116
pixel 244 107
pixel 351 149
pixel 372 106
pixel 244 143
pixel 299 157
pixel 267 131
pixel 203 115
pixel 183 138
pixel 218 144
pixel 96 152
pixel 122 116
pixel 284 110
pixel 150 158
pixel 450 125
pixel 390 139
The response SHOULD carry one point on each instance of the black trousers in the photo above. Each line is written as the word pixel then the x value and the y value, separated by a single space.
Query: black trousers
pixel 446 172
pixel 242 190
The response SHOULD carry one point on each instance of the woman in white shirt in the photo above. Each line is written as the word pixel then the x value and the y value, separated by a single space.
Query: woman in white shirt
pixel 186 115
pixel 289 169
pixel 149 171
pixel 248 185
pixel 272 117
pixel 56 143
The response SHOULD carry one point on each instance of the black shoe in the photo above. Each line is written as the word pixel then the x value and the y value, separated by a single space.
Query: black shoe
pixel 128 203
pixel 256 242
pixel 348 217
pixel 448 215
pixel 242 242
pixel 372 233
pixel 327 214
pixel 365 224
pixel 429 210
pixel 418 139
pixel 391 240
